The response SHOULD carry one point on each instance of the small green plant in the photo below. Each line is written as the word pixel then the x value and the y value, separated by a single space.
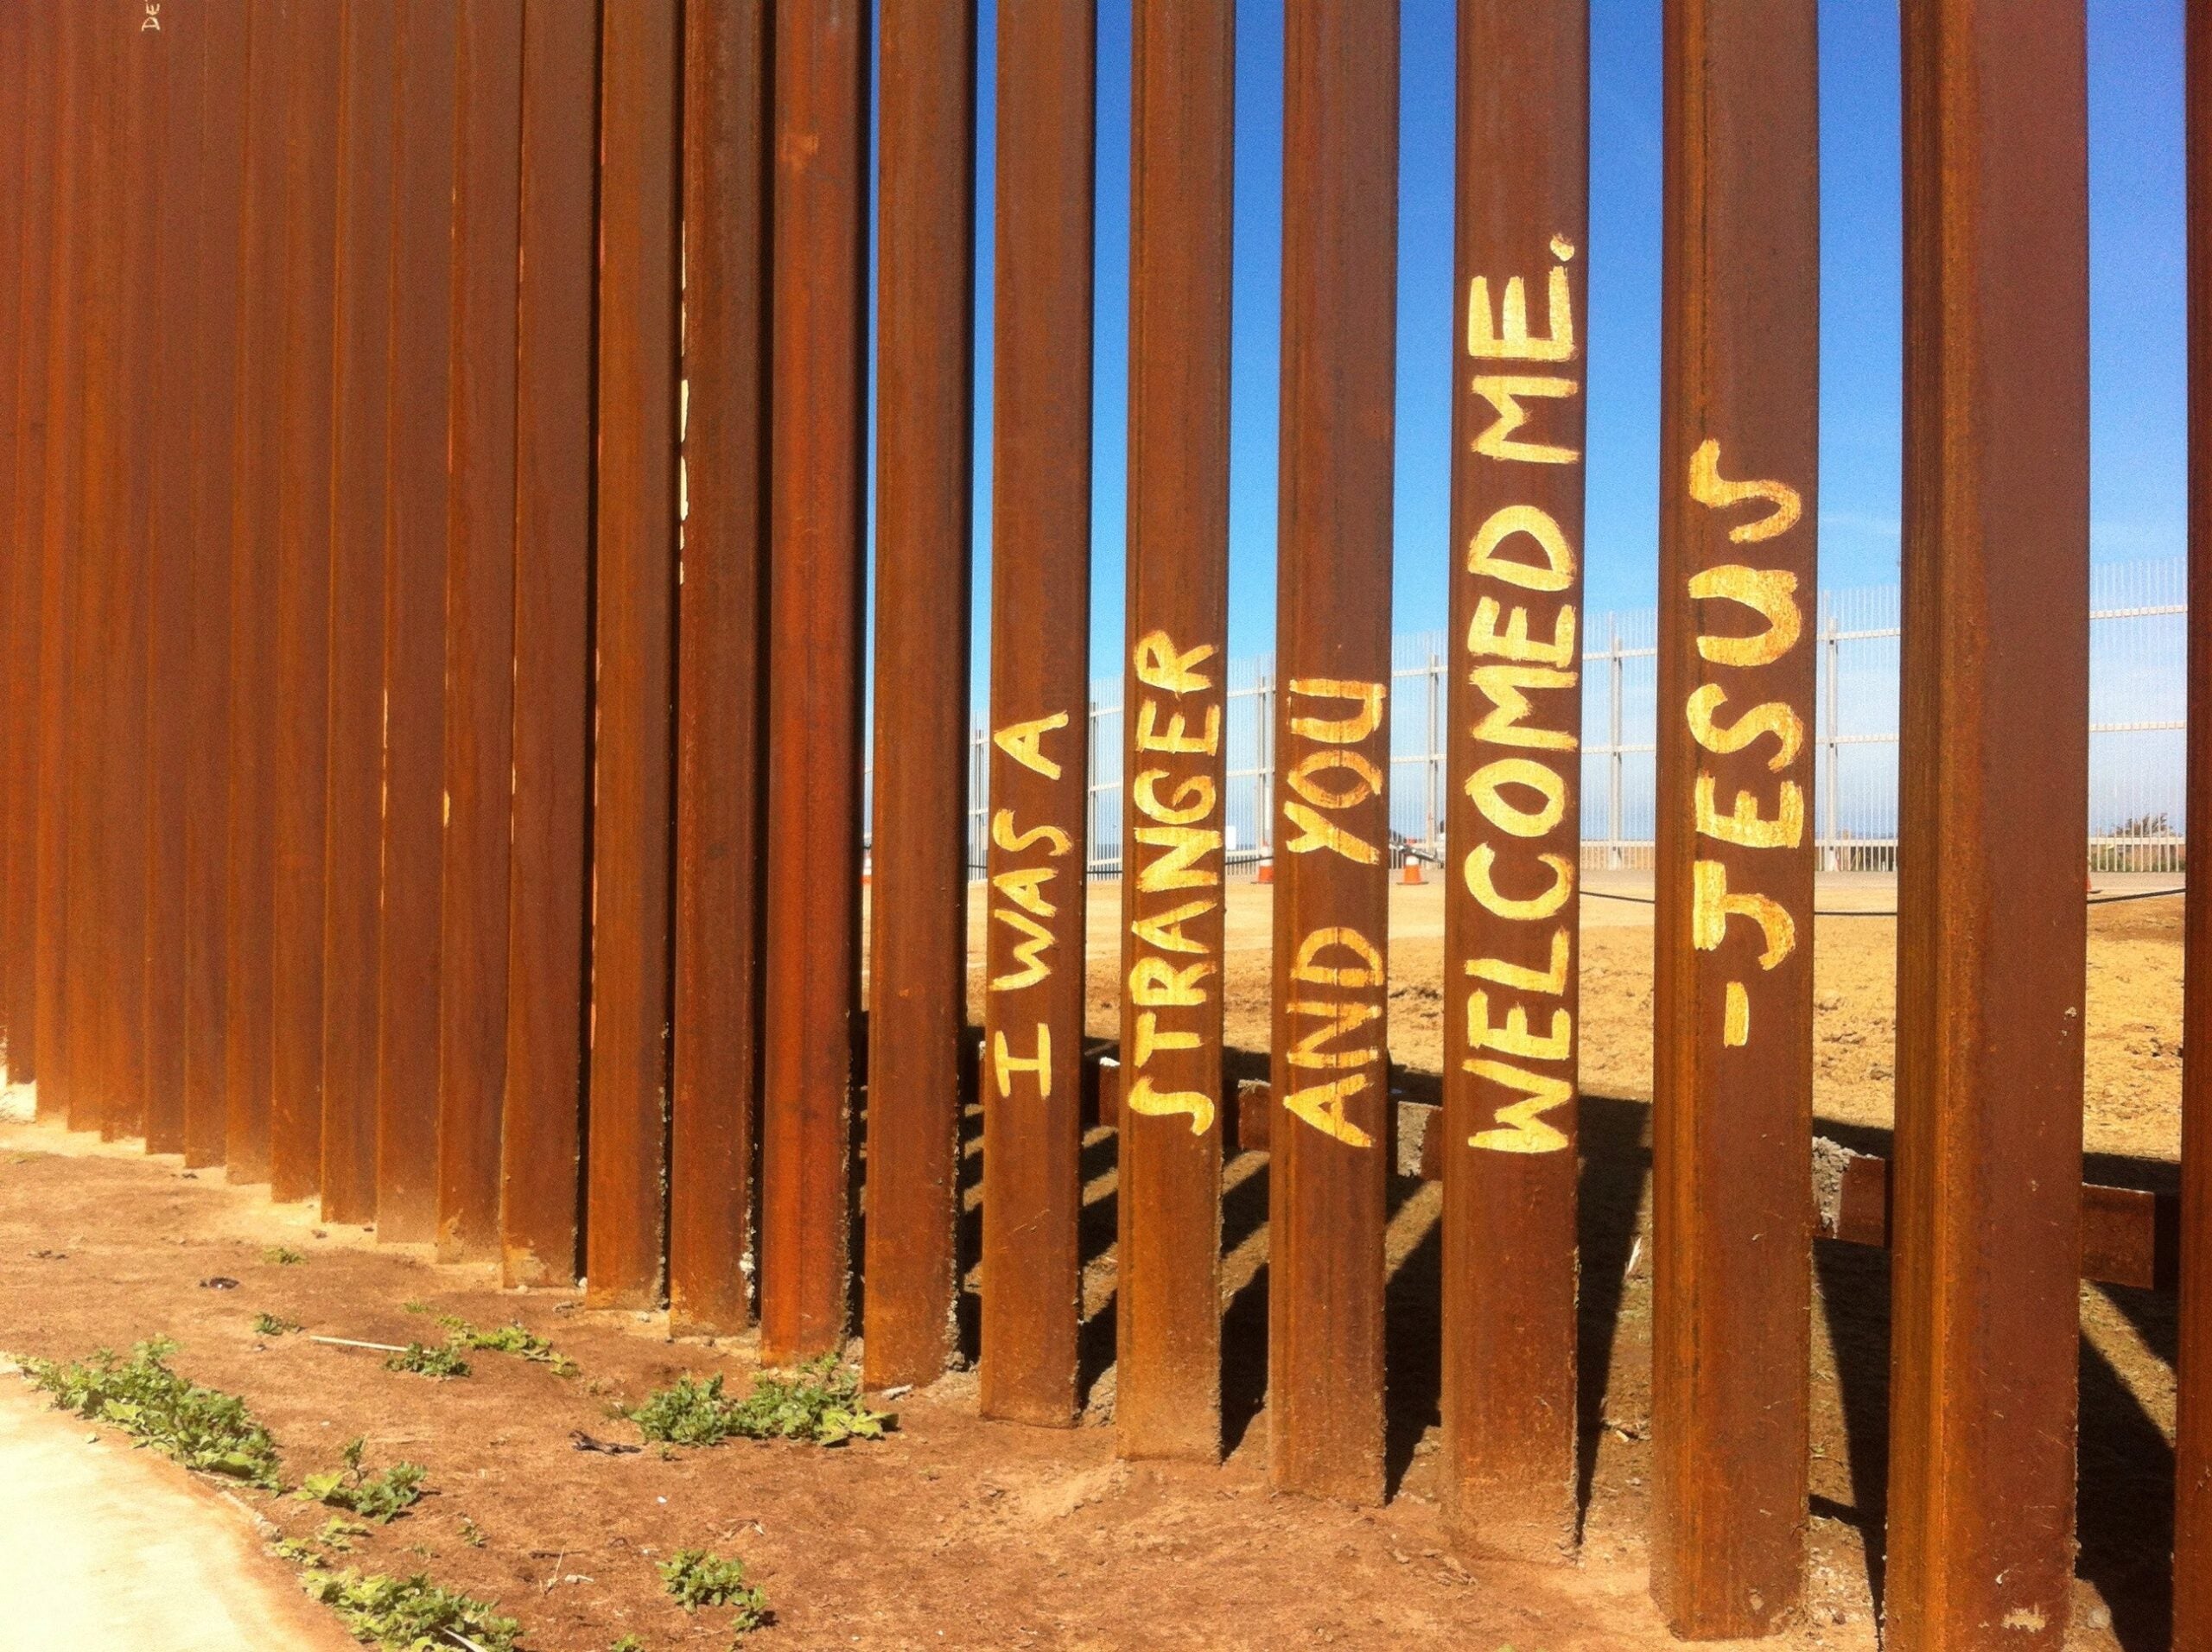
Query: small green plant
pixel 818 1402
pixel 283 1257
pixel 338 1535
pixel 471 1533
pixel 414 1305
pixel 381 1497
pixel 627 1643
pixel 298 1553
pixel 411 1614
pixel 268 1324
pixel 697 1578
pixel 507 1339
pixel 202 1428
pixel 443 1362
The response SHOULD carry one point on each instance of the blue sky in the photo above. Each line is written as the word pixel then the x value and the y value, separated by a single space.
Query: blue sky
pixel 2136 280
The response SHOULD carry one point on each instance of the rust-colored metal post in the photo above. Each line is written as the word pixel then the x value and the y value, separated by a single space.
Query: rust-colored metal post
pixel 1328 1173
pixel 1733 1005
pixel 817 282
pixel 642 75
pixel 1167 1308
pixel 224 58
pixel 1039 773
pixel 253 596
pixel 548 918
pixel 414 623
pixel 360 523
pixel 2193 1364
pixel 27 731
pixel 308 312
pixel 26 54
pixel 171 442
pixel 1986 1214
pixel 720 607
pixel 1513 760
pixel 479 755
pixel 917 940
pixel 58 702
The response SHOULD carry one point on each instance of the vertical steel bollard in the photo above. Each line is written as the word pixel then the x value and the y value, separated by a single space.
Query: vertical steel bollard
pixel 1039 776
pixel 302 641
pixel 719 687
pixel 548 885
pixel 1167 1395
pixel 918 949
pixel 1511 912
pixel 478 758
pixel 1986 1212
pixel 1329 1176
pixel 218 321
pixel 408 964
pixel 1732 1073
pixel 359 524
pixel 25 57
pixel 641 81
pixel 818 325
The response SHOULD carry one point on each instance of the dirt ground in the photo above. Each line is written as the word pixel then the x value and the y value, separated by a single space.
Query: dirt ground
pixel 955 1533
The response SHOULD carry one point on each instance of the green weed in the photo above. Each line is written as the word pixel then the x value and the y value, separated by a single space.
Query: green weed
pixel 268 1324
pixel 471 1533
pixel 381 1497
pixel 697 1578
pixel 429 1361
pixel 818 1402
pixel 507 1339
pixel 411 1614
pixel 339 1534
pixel 627 1643
pixel 202 1428
pixel 283 1257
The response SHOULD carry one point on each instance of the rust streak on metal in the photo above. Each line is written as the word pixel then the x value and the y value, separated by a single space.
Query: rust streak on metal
pixel 353 809
pixel 818 337
pixel 218 322
pixel 479 756
pixel 408 962
pixel 1514 706
pixel 1168 1100
pixel 918 945
pixel 302 646
pixel 1328 1174
pixel 549 923
pixel 170 440
pixel 1993 767
pixel 1040 772
pixel 1733 1005
pixel 26 118
pixel 630 991
pixel 720 607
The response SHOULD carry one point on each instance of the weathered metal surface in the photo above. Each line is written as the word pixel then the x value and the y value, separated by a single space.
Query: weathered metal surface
pixel 253 596
pixel 170 438
pixel 2192 1628
pixel 1040 704
pixel 479 754
pixel 642 79
pixel 549 923
pixel 415 622
pixel 722 603
pixel 918 937
pixel 226 46
pixel 307 310
pixel 818 337
pixel 25 56
pixel 1328 1173
pixel 1167 1306
pixel 1991 928
pixel 360 520
pixel 1511 1006
pixel 1733 1002
pixel 29 731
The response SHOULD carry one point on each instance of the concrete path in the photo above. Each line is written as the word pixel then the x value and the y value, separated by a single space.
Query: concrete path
pixel 104 1548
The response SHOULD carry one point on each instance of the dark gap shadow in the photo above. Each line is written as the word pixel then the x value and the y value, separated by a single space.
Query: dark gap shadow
pixel 1244 1208
pixel 2156 1316
pixel 1095 1350
pixel 1854 1288
pixel 2124 1507
pixel 1412 1344
pixel 967 1236
pixel 1244 1358
pixel 1615 1162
